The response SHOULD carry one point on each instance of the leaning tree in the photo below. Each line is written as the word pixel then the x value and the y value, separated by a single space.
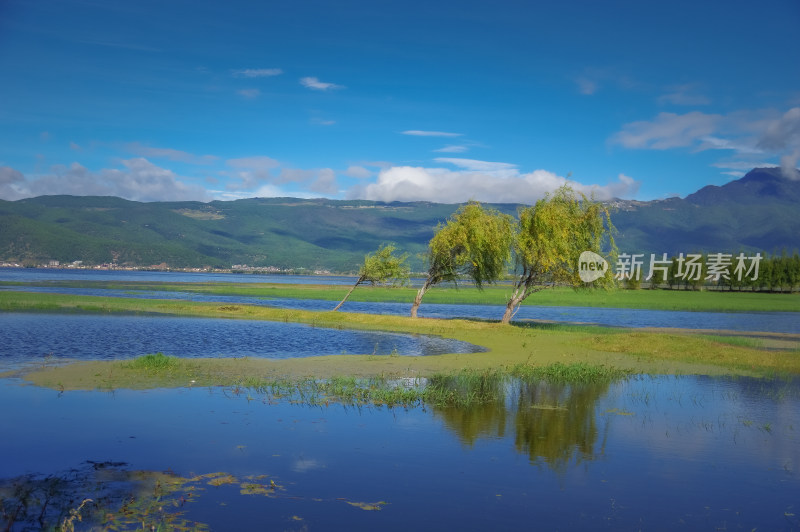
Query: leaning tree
pixel 474 244
pixel 380 267
pixel 550 237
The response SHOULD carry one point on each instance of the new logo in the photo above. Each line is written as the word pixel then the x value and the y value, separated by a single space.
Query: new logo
pixel 591 266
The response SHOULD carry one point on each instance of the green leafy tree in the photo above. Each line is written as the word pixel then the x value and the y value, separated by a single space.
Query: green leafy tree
pixel 550 237
pixel 698 282
pixel 673 280
pixel 381 267
pixel 765 274
pixel 475 243
pixel 794 271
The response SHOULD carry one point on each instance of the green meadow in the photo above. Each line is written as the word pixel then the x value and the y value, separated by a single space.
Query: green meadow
pixel 510 348
pixel 466 294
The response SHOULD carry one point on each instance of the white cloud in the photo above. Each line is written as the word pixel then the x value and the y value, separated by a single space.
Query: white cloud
pixel 789 165
pixel 257 72
pixel 783 132
pixel 683 95
pixel 478 166
pixel 586 86
pixel 419 133
pixel 358 172
pixel 250 171
pixel 452 149
pixel 266 191
pixel 139 180
pixel 325 182
pixel 259 162
pixel 250 94
pixel 12 184
pixel 316 84
pixel 764 134
pixel 294 175
pixel 74 146
pixel 497 183
pixel 168 153
pixel 716 143
pixel 742 165
pixel 592 79
pixel 667 130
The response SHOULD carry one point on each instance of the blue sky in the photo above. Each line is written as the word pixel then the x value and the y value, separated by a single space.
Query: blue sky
pixel 386 100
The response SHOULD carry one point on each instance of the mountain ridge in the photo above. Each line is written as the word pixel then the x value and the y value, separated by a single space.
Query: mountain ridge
pixel 758 212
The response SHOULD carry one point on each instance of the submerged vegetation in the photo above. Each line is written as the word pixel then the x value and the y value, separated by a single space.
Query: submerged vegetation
pixel 109 496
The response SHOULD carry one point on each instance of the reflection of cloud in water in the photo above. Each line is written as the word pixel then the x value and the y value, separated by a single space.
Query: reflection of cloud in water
pixel 707 420
pixel 303 465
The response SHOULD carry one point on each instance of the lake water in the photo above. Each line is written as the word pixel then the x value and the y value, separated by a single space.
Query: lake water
pixel 32 337
pixel 661 453
pixel 780 322
pixel 646 453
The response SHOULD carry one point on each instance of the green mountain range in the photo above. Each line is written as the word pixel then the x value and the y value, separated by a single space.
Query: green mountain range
pixel 760 212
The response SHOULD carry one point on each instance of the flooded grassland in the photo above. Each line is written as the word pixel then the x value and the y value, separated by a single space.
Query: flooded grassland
pixel 430 423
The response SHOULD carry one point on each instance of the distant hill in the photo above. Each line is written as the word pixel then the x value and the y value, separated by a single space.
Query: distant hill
pixel 759 212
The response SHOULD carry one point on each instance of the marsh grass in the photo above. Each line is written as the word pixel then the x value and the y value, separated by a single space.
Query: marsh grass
pixel 577 373
pixel 566 327
pixel 153 363
pixel 698 349
pixel 741 341
pixel 463 388
pixel 532 343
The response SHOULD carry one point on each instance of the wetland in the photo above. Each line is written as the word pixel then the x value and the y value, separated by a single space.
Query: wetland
pixel 295 419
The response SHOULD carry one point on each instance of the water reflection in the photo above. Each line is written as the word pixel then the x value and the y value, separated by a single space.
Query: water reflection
pixel 556 423
pixel 551 423
pixel 677 452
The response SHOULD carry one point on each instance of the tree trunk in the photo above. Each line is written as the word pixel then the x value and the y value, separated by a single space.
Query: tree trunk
pixel 360 280
pixel 513 303
pixel 418 298
pixel 522 289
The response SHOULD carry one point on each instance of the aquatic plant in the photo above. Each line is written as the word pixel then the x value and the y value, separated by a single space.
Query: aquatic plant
pixel 153 362
pixel 464 388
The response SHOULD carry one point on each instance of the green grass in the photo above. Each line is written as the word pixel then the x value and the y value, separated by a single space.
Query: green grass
pixel 576 373
pixel 153 363
pixel 463 388
pixel 531 344
pixel 741 341
pixel 715 301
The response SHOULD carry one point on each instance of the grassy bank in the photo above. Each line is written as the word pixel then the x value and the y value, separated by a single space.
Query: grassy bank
pixel 713 301
pixel 532 345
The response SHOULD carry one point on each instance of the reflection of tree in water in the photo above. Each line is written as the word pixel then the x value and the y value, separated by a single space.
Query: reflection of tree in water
pixel 470 423
pixel 556 422
pixel 553 422
pixel 480 409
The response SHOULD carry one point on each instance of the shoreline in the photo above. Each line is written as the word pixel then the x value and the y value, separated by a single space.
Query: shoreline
pixel 653 351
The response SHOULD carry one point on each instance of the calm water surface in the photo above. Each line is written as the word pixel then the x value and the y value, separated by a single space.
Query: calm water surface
pixel 660 453
pixel 30 337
